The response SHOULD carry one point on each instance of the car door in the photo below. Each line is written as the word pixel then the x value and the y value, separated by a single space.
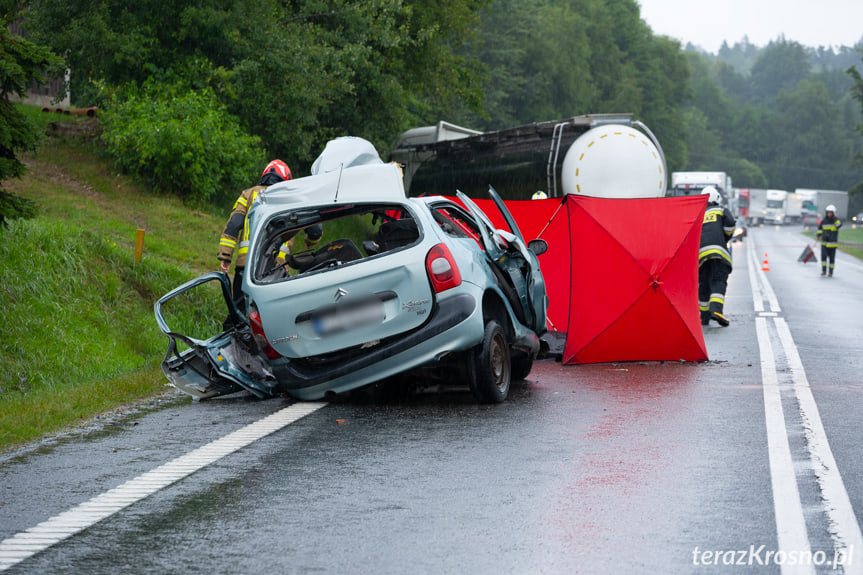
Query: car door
pixel 499 244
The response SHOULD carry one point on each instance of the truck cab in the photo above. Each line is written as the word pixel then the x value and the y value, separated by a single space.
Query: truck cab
pixel 776 208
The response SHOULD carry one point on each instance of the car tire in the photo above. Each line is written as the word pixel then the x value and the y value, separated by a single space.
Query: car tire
pixel 521 366
pixel 492 371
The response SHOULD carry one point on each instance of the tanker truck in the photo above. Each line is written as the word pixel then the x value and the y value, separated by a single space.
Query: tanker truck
pixel 601 155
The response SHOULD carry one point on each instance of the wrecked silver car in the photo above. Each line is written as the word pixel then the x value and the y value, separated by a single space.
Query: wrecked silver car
pixel 397 285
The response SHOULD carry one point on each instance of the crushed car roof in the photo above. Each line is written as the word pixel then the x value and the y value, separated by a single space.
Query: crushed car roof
pixel 359 183
pixel 348 170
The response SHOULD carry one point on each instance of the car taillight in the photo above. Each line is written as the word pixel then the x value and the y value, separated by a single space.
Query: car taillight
pixel 260 336
pixel 442 269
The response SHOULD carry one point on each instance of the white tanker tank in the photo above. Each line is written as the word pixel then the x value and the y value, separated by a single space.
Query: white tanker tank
pixel 603 155
pixel 615 161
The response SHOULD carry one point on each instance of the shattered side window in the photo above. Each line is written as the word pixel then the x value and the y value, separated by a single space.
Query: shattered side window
pixel 455 222
pixel 307 241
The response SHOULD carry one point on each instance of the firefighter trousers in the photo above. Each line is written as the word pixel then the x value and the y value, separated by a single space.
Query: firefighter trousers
pixel 827 254
pixel 712 283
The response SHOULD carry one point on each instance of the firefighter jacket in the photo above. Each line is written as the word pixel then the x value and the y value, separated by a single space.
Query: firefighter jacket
pixel 716 229
pixel 828 232
pixel 236 233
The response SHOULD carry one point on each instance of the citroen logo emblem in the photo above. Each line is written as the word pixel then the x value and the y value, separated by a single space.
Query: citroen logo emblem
pixel 340 293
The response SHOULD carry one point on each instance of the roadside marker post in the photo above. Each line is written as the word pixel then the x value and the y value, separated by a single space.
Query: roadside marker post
pixel 139 246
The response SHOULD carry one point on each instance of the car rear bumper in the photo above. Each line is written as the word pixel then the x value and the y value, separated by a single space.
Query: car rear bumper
pixel 449 329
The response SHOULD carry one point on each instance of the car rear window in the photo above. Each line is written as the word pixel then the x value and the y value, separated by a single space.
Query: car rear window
pixel 307 241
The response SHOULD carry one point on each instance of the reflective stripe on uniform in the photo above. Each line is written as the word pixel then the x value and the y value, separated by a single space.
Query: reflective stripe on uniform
pixel 244 244
pixel 708 251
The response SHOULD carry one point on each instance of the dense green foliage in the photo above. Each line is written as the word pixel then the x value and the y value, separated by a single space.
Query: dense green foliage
pixel 21 63
pixel 295 74
pixel 782 116
pixel 186 143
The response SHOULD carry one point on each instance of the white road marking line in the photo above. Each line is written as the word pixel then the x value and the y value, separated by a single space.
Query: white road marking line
pixel 765 289
pixel 790 525
pixel 757 298
pixel 36 539
pixel 845 529
pixel 843 522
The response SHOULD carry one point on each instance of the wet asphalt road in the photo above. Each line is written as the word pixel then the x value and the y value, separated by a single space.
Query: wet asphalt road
pixel 612 468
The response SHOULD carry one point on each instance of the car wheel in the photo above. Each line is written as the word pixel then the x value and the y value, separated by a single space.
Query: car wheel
pixel 521 366
pixel 492 371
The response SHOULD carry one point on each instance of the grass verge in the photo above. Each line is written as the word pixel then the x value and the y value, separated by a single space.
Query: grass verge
pixel 848 234
pixel 79 335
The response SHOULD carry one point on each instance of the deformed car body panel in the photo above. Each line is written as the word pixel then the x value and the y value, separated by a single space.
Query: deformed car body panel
pixel 212 367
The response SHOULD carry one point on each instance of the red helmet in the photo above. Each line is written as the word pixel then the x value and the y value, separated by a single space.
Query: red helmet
pixel 279 167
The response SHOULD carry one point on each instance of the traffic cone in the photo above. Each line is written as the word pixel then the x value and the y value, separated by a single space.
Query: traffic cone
pixel 765 266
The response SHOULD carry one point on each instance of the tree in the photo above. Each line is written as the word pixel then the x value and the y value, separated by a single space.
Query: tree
pixel 815 151
pixel 857 94
pixel 510 83
pixel 296 73
pixel 23 62
pixel 781 66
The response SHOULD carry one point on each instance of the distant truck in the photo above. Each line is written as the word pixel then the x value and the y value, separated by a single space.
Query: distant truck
pixel 743 201
pixel 815 202
pixel 757 206
pixel 794 208
pixel 777 205
pixel 691 183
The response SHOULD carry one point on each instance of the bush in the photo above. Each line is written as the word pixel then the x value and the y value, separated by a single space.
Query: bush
pixel 186 143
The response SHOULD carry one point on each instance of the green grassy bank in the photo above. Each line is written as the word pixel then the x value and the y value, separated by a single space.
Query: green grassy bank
pixel 78 333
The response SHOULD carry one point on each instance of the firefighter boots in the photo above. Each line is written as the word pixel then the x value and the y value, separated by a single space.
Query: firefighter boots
pixel 719 318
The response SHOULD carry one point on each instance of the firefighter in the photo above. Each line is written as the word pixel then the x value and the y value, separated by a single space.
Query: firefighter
pixel 313 235
pixel 236 233
pixel 714 259
pixel 828 233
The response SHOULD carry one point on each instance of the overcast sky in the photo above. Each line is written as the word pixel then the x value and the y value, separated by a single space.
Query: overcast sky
pixel 707 23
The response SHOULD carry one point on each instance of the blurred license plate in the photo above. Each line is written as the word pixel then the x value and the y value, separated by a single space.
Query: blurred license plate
pixel 349 318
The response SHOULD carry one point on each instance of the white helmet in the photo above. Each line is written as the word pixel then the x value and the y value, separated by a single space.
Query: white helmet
pixel 715 198
pixel 540 195
pixel 830 208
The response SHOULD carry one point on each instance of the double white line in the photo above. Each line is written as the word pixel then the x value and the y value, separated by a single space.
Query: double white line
pixel 790 523
pixel 27 543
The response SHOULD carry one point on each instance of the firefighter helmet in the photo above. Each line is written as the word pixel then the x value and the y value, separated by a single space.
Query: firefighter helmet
pixel 830 208
pixel 280 168
pixel 715 198
pixel 539 195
